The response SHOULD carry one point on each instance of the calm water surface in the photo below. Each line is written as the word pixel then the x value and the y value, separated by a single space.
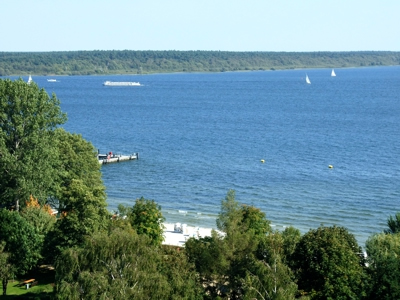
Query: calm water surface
pixel 199 135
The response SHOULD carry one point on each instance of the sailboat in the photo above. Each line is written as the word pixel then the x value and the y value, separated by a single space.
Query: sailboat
pixel 333 74
pixel 308 79
pixel 29 79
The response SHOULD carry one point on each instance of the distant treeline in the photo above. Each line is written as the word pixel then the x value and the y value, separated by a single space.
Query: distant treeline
pixel 145 62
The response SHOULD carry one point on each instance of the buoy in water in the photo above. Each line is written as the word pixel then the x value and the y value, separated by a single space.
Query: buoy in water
pixel 330 167
pixel 263 161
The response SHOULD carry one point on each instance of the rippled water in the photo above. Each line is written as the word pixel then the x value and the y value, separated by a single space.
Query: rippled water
pixel 199 135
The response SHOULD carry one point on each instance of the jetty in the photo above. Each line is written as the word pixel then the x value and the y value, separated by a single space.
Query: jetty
pixel 115 158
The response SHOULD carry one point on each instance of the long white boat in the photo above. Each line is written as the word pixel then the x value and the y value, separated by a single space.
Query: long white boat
pixel 116 83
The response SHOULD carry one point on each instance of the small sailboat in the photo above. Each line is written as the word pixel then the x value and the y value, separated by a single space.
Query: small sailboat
pixel 333 74
pixel 29 79
pixel 308 80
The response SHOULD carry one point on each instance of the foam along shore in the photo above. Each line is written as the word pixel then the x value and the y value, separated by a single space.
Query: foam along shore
pixel 177 234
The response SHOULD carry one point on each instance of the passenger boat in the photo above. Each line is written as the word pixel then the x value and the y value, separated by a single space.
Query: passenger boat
pixel 116 83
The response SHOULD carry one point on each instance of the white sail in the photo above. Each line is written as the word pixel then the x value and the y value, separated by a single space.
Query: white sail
pixel 333 74
pixel 29 79
pixel 308 79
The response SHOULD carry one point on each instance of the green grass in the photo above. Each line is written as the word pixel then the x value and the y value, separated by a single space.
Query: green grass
pixel 43 289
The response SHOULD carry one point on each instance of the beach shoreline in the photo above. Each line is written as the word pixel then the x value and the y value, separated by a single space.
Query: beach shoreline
pixel 176 234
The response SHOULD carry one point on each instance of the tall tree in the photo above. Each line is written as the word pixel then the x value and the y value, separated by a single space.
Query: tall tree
pixel 21 241
pixel 228 264
pixel 123 265
pixel 393 224
pixel 146 218
pixel 80 198
pixel 329 264
pixel 383 256
pixel 28 156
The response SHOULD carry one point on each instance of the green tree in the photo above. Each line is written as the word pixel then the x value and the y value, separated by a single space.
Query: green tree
pixel 21 241
pixel 209 255
pixel 80 198
pixel 146 218
pixel 28 156
pixel 77 161
pixel 228 264
pixel 180 274
pixel 235 217
pixel 329 264
pixel 254 219
pixel 39 218
pixel 230 215
pixel 383 257
pixel 393 224
pixel 291 236
pixel 123 265
pixel 271 278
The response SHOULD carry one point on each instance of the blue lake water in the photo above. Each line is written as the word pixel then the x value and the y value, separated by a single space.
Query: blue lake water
pixel 199 135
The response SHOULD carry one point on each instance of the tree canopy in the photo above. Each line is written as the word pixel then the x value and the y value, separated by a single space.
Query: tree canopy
pixel 21 241
pixel 393 224
pixel 124 265
pixel 146 218
pixel 383 252
pixel 28 156
pixel 329 264
pixel 80 196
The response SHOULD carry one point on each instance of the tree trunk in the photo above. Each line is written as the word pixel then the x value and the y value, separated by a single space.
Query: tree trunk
pixel 5 281
pixel 17 205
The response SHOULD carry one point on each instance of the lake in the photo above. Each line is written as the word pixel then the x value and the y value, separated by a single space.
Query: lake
pixel 200 135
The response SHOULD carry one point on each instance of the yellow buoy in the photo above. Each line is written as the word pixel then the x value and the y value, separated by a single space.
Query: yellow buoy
pixel 330 167
pixel 263 161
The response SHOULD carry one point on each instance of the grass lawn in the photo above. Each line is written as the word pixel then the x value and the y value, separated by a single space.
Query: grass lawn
pixel 42 290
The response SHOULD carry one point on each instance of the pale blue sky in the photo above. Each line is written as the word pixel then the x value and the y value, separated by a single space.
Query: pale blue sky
pixel 232 25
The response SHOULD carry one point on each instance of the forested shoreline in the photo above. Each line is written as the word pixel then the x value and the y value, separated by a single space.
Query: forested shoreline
pixel 102 62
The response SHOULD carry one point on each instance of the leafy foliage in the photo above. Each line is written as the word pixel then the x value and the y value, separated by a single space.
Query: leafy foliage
pixel 393 224
pixel 80 198
pixel 22 242
pixel 28 117
pixel 383 252
pixel 329 264
pixel 123 265
pixel 231 265
pixel 40 217
pixel 146 218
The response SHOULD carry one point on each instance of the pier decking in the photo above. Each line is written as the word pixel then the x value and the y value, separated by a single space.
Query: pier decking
pixel 114 158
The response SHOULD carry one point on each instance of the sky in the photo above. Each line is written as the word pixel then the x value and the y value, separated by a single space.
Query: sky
pixel 219 25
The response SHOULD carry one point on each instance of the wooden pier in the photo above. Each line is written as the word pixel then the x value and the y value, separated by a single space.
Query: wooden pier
pixel 115 158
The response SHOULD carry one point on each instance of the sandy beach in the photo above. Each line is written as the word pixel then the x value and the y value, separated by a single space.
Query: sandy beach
pixel 177 234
